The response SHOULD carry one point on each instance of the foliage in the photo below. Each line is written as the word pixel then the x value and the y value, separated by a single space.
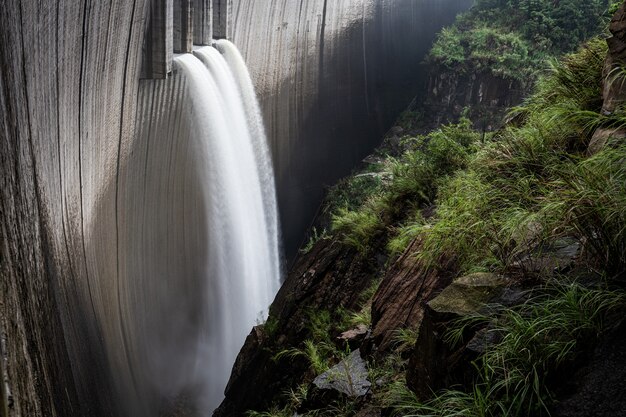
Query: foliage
pixel 512 38
pixel 514 374
pixel 414 183
pixel 489 202
pixel 405 338
pixel 315 237
pixel 358 227
pixel 270 326
pixel 535 181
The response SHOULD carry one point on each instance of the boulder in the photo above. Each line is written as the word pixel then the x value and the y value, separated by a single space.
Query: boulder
pixel 468 294
pixel 601 137
pixel 401 298
pixel 549 257
pixel 434 363
pixel 348 377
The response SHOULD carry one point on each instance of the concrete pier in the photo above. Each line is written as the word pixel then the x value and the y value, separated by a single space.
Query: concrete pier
pixel 183 26
pixel 222 15
pixel 202 22
pixel 158 48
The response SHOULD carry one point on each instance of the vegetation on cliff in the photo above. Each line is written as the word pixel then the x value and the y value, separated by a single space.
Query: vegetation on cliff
pixel 512 38
pixel 497 204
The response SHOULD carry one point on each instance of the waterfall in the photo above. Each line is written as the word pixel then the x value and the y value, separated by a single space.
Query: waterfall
pixel 203 264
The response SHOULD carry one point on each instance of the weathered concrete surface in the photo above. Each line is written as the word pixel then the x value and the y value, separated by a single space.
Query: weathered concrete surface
pixel 202 22
pixel 223 18
pixel 183 25
pixel 68 81
pixel 332 77
pixel 158 39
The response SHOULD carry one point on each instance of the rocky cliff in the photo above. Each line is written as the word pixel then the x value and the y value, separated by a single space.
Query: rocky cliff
pixel 543 317
pixel 486 96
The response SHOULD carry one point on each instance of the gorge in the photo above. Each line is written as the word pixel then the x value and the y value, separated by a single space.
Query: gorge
pixel 122 194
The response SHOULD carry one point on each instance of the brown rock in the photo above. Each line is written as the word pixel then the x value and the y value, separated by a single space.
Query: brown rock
pixel 354 337
pixel 601 137
pixel 468 294
pixel 328 277
pixel 614 92
pixel 404 292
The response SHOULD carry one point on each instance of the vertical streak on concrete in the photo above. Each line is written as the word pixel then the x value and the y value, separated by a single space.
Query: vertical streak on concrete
pixel 202 22
pixel 222 13
pixel 158 48
pixel 4 411
pixel 183 26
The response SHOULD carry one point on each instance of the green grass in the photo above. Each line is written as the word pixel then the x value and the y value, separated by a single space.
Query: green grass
pixel 531 183
pixel 358 228
pixel 513 39
pixel 536 339
pixel 488 204
pixel 315 237
pixel 415 179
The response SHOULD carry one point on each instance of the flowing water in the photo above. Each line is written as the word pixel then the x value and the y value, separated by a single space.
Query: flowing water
pixel 208 238
pixel 243 248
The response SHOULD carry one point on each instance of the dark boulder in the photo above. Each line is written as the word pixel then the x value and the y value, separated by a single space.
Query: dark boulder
pixel 598 388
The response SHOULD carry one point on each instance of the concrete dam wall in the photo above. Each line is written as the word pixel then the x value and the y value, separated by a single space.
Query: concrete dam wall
pixel 330 74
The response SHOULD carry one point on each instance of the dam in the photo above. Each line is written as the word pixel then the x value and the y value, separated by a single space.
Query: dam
pixel 149 200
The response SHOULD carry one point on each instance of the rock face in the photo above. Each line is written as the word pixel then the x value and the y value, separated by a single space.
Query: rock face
pixel 614 92
pixel 401 298
pixel 330 276
pixel 614 89
pixel 488 96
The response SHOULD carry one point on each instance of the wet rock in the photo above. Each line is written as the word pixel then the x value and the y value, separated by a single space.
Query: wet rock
pixel 468 294
pixel 349 377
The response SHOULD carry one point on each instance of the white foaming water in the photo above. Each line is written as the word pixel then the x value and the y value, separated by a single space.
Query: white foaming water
pixel 243 249
pixel 202 264
pixel 259 140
